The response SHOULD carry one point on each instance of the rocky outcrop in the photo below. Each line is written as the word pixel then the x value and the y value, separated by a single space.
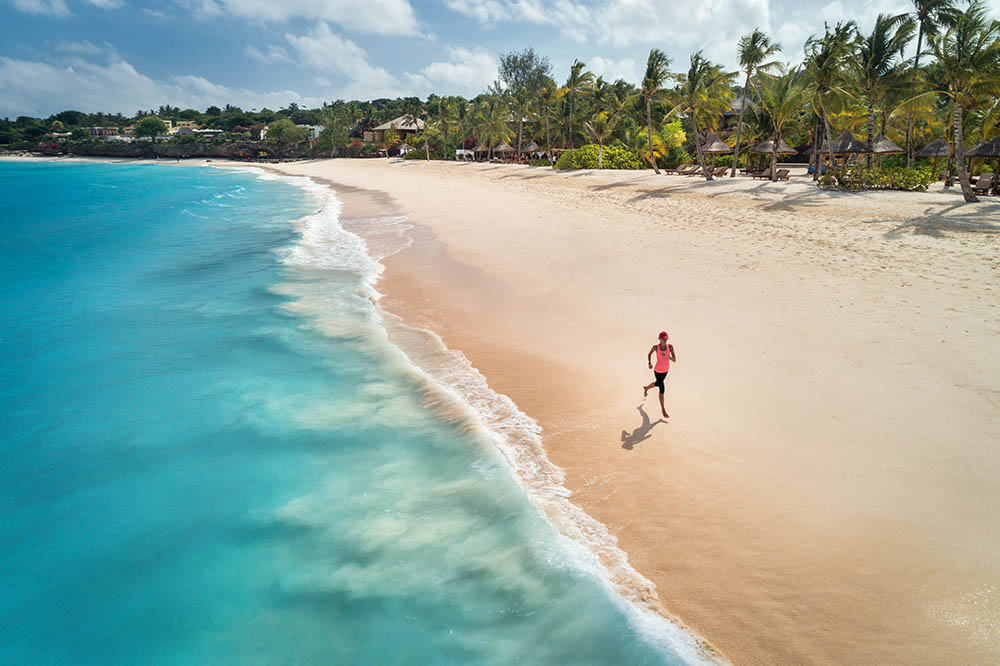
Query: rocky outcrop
pixel 145 149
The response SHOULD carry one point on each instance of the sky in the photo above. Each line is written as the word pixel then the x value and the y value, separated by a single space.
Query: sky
pixel 122 56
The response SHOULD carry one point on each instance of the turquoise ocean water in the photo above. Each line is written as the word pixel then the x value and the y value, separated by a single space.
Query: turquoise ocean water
pixel 212 453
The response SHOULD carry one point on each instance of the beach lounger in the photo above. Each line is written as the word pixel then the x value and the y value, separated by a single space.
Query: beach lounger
pixel 984 184
pixel 763 175
pixel 678 169
pixel 689 171
pixel 721 171
pixel 783 174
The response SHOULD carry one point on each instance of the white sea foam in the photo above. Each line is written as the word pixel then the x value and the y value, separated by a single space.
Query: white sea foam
pixel 461 392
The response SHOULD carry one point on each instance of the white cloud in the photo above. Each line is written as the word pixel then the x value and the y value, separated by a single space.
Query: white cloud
pixel 613 70
pixel 465 73
pixel 59 7
pixel 271 54
pixel 323 50
pixel 40 89
pixel 56 7
pixel 380 17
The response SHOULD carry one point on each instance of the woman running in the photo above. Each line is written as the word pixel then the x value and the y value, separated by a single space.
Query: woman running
pixel 664 355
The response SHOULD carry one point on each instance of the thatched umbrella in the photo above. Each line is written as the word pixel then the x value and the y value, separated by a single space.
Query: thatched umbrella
pixel 504 148
pixel 883 146
pixel 404 148
pixel 767 147
pixel 715 146
pixel 531 148
pixel 845 144
pixel 936 149
pixel 990 151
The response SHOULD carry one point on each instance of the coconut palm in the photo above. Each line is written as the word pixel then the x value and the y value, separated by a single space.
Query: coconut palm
pixel 579 81
pixel 825 73
pixel 491 120
pixel 704 90
pixel 754 49
pixel 968 52
pixel 546 96
pixel 876 59
pixel 600 128
pixel 782 98
pixel 652 83
pixel 928 14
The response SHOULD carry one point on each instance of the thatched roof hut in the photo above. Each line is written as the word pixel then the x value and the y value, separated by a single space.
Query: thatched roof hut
pixel 989 150
pixel 716 146
pixel 481 149
pixel 845 144
pixel 404 147
pixel 883 146
pixel 936 148
pixel 767 147
pixel 504 148
pixel 531 148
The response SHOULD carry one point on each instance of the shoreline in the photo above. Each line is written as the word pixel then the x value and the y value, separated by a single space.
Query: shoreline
pixel 794 576
pixel 448 377
pixel 773 560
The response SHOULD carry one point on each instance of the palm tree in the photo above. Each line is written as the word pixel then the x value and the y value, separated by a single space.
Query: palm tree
pixel 825 72
pixel 652 82
pixel 578 81
pixel 600 128
pixel 492 117
pixel 782 97
pixel 968 52
pixel 547 94
pixel 754 49
pixel 703 90
pixel 928 14
pixel 876 58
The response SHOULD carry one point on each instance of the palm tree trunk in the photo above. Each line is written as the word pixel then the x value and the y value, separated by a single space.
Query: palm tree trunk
pixel 817 142
pixel 871 125
pixel 649 132
pixel 572 113
pixel 697 146
pixel 774 158
pixel 909 114
pixel 739 126
pixel 963 175
pixel 520 120
pixel 600 155
pixel 829 134
pixel 548 142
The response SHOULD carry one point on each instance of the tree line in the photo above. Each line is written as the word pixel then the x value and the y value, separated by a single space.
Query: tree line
pixel 846 78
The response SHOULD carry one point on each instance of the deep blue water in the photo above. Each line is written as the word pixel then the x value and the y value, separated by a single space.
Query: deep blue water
pixel 209 453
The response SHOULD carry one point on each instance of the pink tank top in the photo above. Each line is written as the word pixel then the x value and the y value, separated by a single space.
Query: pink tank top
pixel 662 359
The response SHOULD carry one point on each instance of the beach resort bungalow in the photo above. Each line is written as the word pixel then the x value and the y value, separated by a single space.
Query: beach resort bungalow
pixel 402 126
pixel 103 131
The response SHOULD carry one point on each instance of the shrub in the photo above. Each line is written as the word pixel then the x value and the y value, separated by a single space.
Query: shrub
pixel 858 178
pixel 544 162
pixel 615 157
pixel 676 157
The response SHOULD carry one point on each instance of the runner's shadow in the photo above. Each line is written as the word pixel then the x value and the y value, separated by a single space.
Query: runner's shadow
pixel 640 434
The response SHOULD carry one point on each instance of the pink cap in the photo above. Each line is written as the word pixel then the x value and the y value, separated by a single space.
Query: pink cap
pixel 663 335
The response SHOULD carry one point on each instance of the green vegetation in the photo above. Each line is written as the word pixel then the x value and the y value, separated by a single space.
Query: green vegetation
pixel 859 177
pixel 592 157
pixel 846 79
pixel 150 127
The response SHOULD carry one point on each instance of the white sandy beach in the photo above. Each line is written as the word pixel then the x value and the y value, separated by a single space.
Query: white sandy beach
pixel 826 487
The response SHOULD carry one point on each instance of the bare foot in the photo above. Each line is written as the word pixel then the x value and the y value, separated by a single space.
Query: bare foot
pixel 665 415
pixel 645 392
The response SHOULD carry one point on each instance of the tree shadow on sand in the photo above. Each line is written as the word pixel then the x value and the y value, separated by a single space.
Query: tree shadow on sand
pixel 640 434
pixel 982 218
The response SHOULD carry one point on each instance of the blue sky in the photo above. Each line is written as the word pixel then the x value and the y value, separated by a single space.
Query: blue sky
pixel 115 55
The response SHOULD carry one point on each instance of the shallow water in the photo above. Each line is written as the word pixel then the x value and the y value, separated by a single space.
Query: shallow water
pixel 212 454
